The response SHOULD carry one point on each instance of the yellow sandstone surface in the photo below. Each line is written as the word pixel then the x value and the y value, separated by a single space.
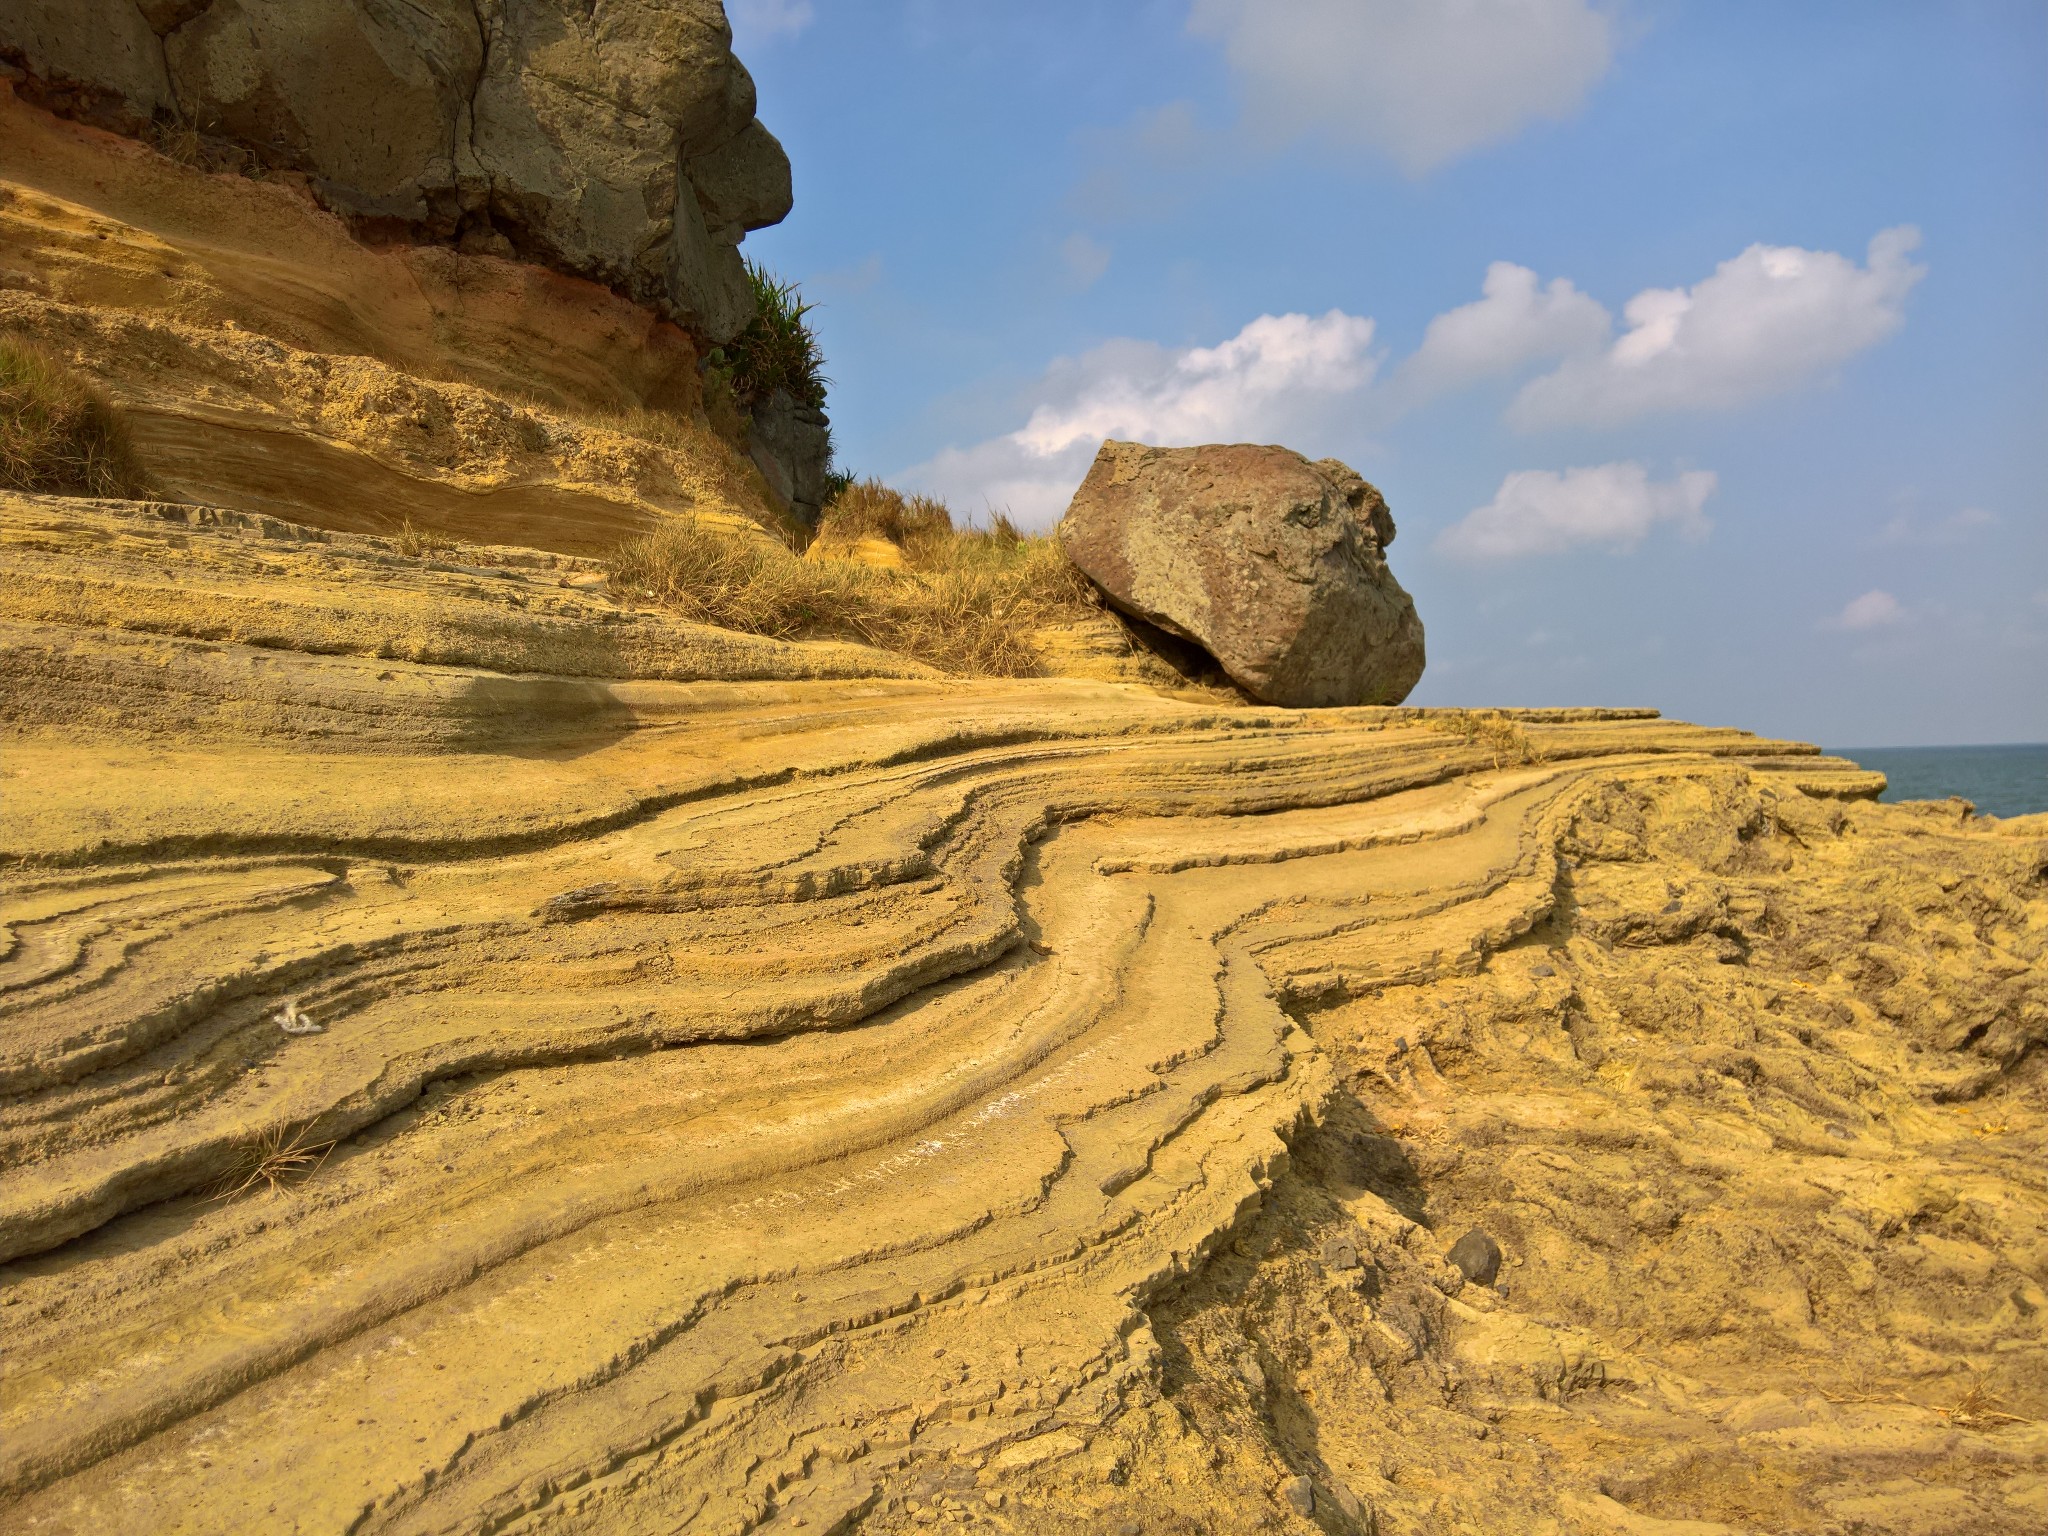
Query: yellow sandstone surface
pixel 267 361
pixel 476 1056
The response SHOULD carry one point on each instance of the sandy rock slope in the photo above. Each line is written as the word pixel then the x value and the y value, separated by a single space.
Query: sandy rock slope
pixel 477 1055
pixel 474 1057
pixel 265 360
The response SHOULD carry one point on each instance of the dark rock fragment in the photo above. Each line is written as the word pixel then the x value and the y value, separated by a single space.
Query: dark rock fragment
pixel 1477 1255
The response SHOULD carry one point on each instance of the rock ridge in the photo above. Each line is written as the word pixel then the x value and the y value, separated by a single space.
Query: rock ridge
pixel 480 1057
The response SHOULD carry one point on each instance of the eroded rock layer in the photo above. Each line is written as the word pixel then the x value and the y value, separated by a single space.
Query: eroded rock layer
pixel 264 360
pixel 614 139
pixel 665 1087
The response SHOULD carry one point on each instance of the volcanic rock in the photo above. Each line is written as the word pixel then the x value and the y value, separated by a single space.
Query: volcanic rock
pixel 1271 563
pixel 791 444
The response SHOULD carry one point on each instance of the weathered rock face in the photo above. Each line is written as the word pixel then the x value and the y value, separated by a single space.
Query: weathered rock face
pixel 1272 564
pixel 792 444
pixel 614 139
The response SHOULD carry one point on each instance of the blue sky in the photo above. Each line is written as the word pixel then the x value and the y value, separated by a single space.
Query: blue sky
pixel 1701 349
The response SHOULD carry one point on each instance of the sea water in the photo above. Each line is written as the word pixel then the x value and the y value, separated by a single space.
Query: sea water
pixel 2000 781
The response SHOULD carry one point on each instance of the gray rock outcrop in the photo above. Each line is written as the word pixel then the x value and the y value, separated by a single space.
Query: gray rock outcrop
pixel 791 443
pixel 614 139
pixel 1274 565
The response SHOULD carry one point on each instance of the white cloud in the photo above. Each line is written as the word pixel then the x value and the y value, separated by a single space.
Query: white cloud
pixel 752 19
pixel 1198 393
pixel 1515 323
pixel 1422 81
pixel 1262 385
pixel 1085 259
pixel 1957 527
pixel 1765 321
pixel 1875 609
pixel 1540 512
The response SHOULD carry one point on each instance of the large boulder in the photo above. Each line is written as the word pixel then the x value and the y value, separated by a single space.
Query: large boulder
pixel 1274 565
pixel 615 139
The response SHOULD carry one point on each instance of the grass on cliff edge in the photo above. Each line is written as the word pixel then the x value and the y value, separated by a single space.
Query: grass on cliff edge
pixel 727 471
pixel 966 601
pixel 59 433
pixel 778 350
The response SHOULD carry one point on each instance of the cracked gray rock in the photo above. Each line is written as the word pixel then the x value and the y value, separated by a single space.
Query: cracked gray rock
pixel 1274 565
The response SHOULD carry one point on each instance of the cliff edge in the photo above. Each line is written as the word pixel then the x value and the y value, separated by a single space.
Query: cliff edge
pixel 615 141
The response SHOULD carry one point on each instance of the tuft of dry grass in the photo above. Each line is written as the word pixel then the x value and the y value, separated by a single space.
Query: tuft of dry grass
pixel 1504 739
pixel 732 476
pixel 59 433
pixel 967 601
pixel 1975 1409
pixel 415 541
pixel 273 1162
pixel 920 526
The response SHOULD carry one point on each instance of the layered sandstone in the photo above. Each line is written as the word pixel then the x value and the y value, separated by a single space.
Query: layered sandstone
pixel 615 141
pixel 267 360
pixel 461 1072
pixel 477 1053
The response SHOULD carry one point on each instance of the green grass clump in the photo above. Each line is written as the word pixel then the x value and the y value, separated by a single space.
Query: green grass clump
pixel 59 433
pixel 967 602
pixel 777 350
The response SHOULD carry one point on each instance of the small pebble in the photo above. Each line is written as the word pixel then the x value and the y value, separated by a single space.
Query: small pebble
pixel 1340 1253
